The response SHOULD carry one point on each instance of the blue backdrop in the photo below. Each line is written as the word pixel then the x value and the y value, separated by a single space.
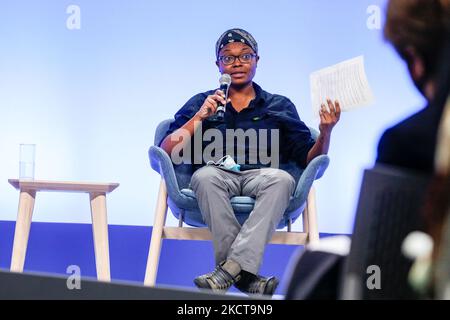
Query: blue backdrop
pixel 88 81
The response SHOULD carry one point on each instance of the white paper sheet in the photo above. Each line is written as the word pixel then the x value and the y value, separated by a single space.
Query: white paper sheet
pixel 345 82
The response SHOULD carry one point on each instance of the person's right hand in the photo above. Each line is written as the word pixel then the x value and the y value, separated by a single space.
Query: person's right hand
pixel 209 107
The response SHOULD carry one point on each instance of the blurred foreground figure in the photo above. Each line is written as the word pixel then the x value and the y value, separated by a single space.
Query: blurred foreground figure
pixel 419 31
pixel 389 208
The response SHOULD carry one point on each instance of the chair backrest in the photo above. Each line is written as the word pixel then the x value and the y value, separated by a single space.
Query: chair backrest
pixel 184 172
pixel 389 208
pixel 161 131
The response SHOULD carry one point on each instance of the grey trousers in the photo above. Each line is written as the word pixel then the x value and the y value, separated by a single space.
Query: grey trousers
pixel 271 188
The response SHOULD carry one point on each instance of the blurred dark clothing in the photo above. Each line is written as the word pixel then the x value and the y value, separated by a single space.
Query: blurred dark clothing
pixel 411 143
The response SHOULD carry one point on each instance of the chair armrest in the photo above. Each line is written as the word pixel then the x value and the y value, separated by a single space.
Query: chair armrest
pixel 313 171
pixel 161 163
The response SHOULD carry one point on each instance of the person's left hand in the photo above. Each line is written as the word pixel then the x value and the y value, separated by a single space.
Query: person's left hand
pixel 329 117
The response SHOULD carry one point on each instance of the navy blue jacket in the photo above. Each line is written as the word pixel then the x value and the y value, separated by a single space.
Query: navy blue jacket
pixel 266 111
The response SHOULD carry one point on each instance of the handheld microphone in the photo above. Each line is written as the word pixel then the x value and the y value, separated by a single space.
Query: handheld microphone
pixel 225 81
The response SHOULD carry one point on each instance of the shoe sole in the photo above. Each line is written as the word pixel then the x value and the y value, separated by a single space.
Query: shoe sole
pixel 202 284
pixel 271 286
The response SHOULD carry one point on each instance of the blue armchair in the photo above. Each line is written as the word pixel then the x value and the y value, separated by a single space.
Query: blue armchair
pixel 174 192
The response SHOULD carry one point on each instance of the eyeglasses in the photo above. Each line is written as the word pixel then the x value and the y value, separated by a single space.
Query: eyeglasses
pixel 243 58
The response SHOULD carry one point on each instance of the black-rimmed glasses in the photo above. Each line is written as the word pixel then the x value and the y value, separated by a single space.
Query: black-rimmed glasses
pixel 243 58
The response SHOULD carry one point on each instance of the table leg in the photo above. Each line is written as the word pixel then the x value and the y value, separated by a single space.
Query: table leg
pixel 22 231
pixel 100 231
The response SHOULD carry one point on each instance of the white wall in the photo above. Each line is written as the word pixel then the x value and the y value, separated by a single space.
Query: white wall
pixel 91 98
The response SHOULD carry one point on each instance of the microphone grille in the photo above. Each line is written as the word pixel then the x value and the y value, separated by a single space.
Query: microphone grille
pixel 225 79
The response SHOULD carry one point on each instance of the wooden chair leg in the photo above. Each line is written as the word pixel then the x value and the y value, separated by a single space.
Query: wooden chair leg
pixel 100 232
pixel 306 218
pixel 157 233
pixel 313 232
pixel 22 231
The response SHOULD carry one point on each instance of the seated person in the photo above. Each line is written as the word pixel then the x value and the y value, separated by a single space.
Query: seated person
pixel 239 249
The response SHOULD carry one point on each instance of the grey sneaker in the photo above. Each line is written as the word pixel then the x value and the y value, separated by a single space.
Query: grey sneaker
pixel 221 279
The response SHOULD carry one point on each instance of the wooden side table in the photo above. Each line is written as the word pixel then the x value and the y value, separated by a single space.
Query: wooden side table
pixel 97 194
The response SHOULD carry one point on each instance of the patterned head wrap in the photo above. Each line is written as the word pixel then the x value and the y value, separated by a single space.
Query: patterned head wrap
pixel 236 35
